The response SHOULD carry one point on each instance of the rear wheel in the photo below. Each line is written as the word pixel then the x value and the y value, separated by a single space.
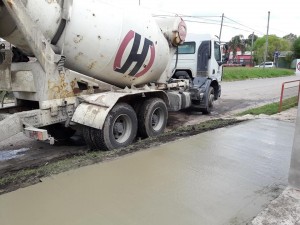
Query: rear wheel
pixel 209 101
pixel 152 117
pixel 119 129
pixel 87 135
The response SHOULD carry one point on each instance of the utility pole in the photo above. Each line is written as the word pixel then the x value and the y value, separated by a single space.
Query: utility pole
pixel 221 27
pixel 252 38
pixel 266 50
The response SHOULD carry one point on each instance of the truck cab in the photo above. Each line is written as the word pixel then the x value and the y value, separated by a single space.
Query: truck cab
pixel 199 59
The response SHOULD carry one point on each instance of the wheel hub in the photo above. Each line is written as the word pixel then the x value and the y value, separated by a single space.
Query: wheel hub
pixel 155 119
pixel 211 100
pixel 122 128
pixel 119 128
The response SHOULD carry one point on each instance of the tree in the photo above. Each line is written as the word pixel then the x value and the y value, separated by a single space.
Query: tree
pixel 237 42
pixel 248 41
pixel 291 38
pixel 296 48
pixel 274 44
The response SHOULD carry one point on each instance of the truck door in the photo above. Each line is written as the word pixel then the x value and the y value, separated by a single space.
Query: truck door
pixel 203 56
pixel 216 68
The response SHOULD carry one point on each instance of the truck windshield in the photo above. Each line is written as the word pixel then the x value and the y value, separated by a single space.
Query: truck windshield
pixel 187 48
pixel 217 51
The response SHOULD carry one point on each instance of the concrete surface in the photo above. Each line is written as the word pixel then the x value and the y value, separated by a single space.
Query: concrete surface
pixel 284 210
pixel 226 176
pixel 294 174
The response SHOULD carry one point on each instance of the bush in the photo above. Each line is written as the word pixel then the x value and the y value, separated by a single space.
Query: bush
pixel 296 48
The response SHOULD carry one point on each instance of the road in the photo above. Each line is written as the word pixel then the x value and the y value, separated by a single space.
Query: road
pixel 236 96
pixel 253 92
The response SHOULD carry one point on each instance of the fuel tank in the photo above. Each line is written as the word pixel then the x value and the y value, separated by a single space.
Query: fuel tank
pixel 119 46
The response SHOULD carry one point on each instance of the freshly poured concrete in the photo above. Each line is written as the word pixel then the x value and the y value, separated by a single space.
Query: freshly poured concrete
pixel 226 176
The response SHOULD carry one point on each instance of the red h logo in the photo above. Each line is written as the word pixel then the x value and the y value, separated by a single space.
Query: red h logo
pixel 134 56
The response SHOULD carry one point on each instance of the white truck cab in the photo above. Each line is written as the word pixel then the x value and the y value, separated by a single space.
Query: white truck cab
pixel 199 59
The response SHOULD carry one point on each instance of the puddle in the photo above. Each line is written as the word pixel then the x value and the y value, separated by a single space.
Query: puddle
pixel 11 154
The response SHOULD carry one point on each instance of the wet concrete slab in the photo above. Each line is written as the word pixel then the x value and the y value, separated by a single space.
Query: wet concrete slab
pixel 225 176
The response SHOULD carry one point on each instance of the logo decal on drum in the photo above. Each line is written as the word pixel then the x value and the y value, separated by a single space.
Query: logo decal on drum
pixel 134 56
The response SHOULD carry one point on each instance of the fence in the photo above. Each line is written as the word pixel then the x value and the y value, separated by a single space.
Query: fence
pixel 289 96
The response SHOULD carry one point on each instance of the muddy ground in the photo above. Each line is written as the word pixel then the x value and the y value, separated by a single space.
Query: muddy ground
pixel 30 167
pixel 19 152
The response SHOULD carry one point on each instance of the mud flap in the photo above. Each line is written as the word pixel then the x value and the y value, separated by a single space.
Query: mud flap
pixel 200 93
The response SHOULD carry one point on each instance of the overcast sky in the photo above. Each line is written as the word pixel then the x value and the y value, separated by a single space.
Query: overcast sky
pixel 284 15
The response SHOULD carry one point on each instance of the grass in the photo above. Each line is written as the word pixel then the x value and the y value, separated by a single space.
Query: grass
pixel 243 73
pixel 272 108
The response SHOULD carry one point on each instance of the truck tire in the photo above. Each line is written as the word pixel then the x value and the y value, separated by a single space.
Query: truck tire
pixel 87 135
pixel 152 117
pixel 119 128
pixel 209 101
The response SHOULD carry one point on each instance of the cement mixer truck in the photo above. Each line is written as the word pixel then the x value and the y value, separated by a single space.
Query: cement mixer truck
pixel 95 68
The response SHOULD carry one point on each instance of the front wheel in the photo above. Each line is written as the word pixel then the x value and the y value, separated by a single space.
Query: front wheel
pixel 152 117
pixel 209 101
pixel 119 129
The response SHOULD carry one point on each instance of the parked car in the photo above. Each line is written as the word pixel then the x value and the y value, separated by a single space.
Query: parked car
pixel 267 65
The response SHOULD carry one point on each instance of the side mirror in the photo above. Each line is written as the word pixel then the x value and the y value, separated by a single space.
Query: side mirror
pixel 225 59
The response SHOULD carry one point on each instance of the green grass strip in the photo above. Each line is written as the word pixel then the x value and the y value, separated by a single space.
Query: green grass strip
pixel 243 73
pixel 272 108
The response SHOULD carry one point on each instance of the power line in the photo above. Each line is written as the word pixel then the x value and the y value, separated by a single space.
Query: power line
pixel 184 15
pixel 237 28
pixel 194 21
pixel 212 22
pixel 225 25
pixel 208 20
pixel 217 22
pixel 244 25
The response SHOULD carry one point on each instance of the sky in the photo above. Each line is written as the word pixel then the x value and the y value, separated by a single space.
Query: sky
pixel 241 17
